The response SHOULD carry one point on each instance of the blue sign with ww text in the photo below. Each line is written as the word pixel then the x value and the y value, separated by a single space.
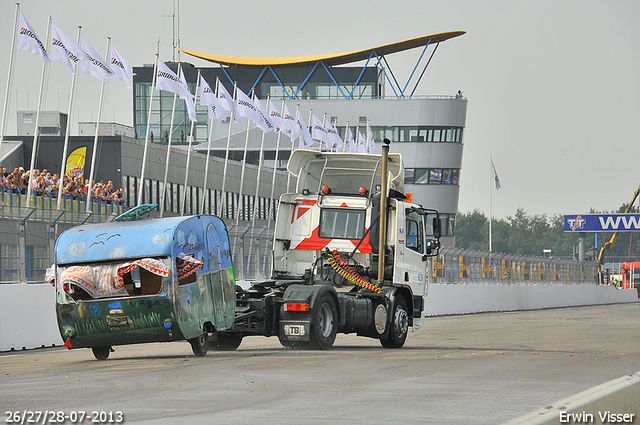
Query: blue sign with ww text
pixel 602 223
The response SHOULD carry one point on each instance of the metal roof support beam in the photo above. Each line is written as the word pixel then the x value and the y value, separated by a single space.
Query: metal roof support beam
pixel 227 74
pixel 360 76
pixel 305 80
pixel 384 58
pixel 385 74
pixel 334 80
pixel 424 69
pixel 259 78
pixel 416 67
pixel 280 82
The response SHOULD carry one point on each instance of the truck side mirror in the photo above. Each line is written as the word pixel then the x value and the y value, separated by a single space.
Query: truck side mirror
pixel 437 229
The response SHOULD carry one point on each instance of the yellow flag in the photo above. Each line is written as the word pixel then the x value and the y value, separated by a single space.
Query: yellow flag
pixel 75 163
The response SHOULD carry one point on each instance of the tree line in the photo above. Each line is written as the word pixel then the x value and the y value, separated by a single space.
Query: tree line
pixel 532 234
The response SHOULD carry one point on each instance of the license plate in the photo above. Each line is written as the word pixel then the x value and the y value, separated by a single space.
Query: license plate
pixel 294 330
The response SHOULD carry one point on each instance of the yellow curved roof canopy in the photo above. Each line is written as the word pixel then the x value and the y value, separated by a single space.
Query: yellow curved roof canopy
pixel 331 59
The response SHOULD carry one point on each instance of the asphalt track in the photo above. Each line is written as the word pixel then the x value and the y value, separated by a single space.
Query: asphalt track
pixel 480 369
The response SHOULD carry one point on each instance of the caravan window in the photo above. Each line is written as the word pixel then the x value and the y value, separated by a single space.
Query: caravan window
pixel 144 276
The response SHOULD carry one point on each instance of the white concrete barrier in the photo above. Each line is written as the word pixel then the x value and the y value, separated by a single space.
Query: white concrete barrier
pixel 612 402
pixel 445 299
pixel 28 319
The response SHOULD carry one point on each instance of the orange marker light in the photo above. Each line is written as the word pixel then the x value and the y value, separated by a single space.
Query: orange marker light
pixel 296 307
pixel 362 191
pixel 325 189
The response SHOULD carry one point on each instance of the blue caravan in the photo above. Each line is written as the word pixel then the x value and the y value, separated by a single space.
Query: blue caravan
pixel 128 282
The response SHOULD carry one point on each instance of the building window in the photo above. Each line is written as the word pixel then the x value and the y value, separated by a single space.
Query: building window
pixel 431 176
pixel 410 133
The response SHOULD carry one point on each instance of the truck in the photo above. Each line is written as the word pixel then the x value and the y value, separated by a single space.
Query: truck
pixel 631 275
pixel 351 254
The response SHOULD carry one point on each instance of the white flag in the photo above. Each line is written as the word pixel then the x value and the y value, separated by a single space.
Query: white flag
pixel 361 144
pixel 246 108
pixel 265 122
pixel 305 138
pixel 29 41
pixel 209 98
pixel 371 144
pixel 167 80
pixel 495 175
pixel 333 138
pixel 94 64
pixel 290 124
pixel 228 104
pixel 318 131
pixel 191 107
pixel 64 49
pixel 120 67
pixel 275 117
pixel 353 148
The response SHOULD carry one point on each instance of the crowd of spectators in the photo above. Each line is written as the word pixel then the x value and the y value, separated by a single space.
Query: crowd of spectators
pixel 44 183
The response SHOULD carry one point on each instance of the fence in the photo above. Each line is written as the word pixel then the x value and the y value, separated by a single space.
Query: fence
pixel 454 265
pixel 27 242
pixel 27 235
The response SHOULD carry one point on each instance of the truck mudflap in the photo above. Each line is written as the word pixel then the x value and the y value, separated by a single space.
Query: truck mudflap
pixel 309 316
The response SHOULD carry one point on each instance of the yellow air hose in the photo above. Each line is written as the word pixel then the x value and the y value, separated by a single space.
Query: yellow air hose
pixel 342 268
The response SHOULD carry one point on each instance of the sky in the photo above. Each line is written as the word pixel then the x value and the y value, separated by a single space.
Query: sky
pixel 553 87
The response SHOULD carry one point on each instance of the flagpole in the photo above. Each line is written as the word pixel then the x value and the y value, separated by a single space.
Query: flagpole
pixel 256 206
pixel 9 78
pixel 292 149
pixel 206 165
pixel 223 198
pixel 65 149
pixel 94 152
pixel 345 147
pixel 368 135
pixel 36 132
pixel 491 178
pixel 275 166
pixel 244 162
pixel 186 174
pixel 166 163
pixel 140 187
pixel 310 125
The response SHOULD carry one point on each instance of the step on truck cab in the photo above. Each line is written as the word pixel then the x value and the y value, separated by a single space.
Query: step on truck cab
pixel 348 256
pixel 144 280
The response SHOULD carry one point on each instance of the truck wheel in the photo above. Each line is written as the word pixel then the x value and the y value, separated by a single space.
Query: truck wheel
pixel 226 342
pixel 324 324
pixel 101 353
pixel 200 345
pixel 399 325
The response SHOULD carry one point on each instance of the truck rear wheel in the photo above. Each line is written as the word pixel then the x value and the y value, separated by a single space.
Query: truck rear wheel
pixel 399 325
pixel 200 345
pixel 324 323
pixel 226 342
pixel 101 353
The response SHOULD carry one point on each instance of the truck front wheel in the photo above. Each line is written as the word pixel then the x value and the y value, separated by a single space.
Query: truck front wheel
pixel 324 323
pixel 399 325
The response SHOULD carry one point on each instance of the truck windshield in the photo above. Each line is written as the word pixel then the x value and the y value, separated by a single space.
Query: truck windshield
pixel 341 223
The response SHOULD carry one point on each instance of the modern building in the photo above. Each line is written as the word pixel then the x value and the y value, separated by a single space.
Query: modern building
pixel 426 130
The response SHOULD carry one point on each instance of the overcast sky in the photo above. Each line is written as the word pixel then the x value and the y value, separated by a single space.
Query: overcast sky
pixel 553 86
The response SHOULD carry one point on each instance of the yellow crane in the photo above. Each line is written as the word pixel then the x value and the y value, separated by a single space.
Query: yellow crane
pixel 609 244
